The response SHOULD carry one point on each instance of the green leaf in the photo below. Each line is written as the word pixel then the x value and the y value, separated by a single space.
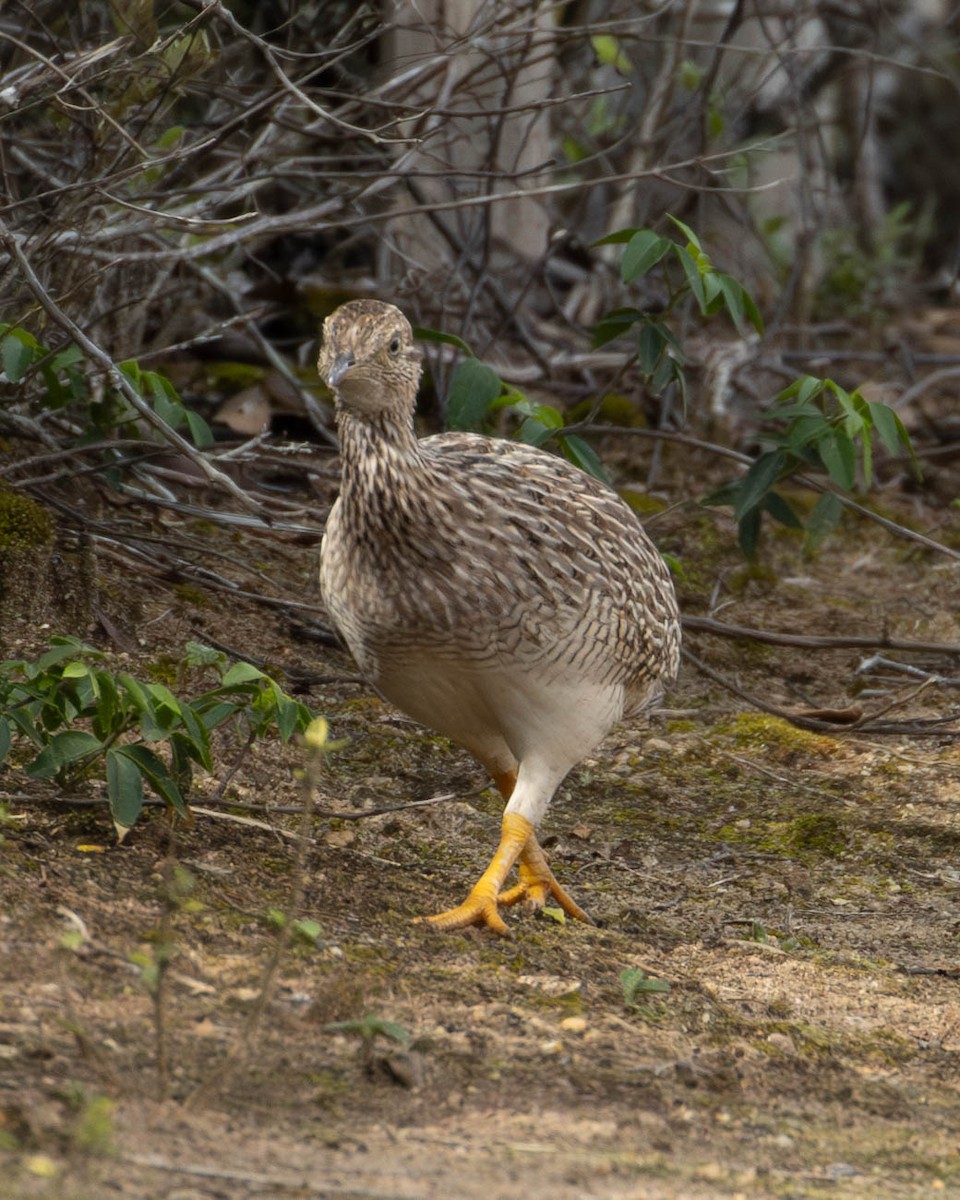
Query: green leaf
pixel 690 74
pixel 200 431
pixel 712 291
pixel 614 324
pixel 650 345
pixel 739 305
pixel 307 931
pixel 170 137
pixel 17 354
pixel 213 714
pixel 866 448
pixel 164 700
pixel 242 672
pixel 135 690
pixel 838 454
pixel 130 368
pixel 153 730
pixel 369 1027
pixel 124 788
pixel 804 430
pixel 546 414
pixel 276 917
pixel 854 419
pixel 644 250
pixel 758 481
pixel 636 982
pixel 610 53
pixel 168 408
pixel 751 311
pixel 781 510
pixel 748 532
pixel 75 670
pixel 824 518
pixel 888 425
pixel 534 432
pixel 668 371
pixel 687 232
pixel 425 334
pixel 182 759
pixel 803 390
pixel 63 748
pixel 196 737
pixel 61 648
pixel 611 239
pixel 583 455
pixel 27 726
pixel 287 715
pixel 473 388
pixel 6 738
pixel 155 772
pixel 108 717
pixel 200 655
pixel 692 273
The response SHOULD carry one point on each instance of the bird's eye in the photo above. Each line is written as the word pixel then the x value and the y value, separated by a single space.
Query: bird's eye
pixel 394 346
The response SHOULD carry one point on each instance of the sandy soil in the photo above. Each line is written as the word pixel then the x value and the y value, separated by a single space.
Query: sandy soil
pixel 797 892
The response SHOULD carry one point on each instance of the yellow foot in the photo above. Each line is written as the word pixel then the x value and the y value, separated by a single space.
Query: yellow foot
pixel 538 884
pixel 480 907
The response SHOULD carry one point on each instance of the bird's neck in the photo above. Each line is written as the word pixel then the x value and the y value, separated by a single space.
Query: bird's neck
pixel 381 465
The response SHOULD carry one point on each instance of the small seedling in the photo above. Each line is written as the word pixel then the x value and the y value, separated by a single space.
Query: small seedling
pixel 635 983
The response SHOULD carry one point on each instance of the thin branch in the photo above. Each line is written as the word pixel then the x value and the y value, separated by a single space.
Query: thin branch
pixel 120 381
pixel 921 727
pixel 809 641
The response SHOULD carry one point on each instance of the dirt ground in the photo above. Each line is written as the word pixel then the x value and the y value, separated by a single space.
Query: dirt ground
pixel 797 892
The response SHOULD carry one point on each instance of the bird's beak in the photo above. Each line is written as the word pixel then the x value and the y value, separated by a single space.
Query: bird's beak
pixel 341 365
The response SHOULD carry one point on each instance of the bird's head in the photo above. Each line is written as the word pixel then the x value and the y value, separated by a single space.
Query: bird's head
pixel 368 358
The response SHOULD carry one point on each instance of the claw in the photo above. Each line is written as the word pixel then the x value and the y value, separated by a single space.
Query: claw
pixel 479 908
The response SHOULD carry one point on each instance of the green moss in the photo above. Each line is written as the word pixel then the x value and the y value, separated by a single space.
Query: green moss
pixel 751 573
pixel 191 595
pixel 164 670
pixel 614 407
pixel 815 834
pixel 642 502
pixel 761 731
pixel 24 524
pixel 811 835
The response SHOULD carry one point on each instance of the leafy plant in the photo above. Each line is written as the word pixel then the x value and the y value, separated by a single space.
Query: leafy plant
pixel 815 425
pixel 83 719
pixel 636 983
pixel 368 1028
pixel 867 282
pixel 64 385
pixel 760 934
pixel 93 1129
pixel 477 395
pixel 687 274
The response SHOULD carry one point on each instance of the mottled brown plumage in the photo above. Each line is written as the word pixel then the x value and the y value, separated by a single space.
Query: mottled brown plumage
pixel 491 590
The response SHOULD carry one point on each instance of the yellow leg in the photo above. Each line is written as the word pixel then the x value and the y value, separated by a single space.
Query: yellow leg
pixel 480 907
pixel 537 881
